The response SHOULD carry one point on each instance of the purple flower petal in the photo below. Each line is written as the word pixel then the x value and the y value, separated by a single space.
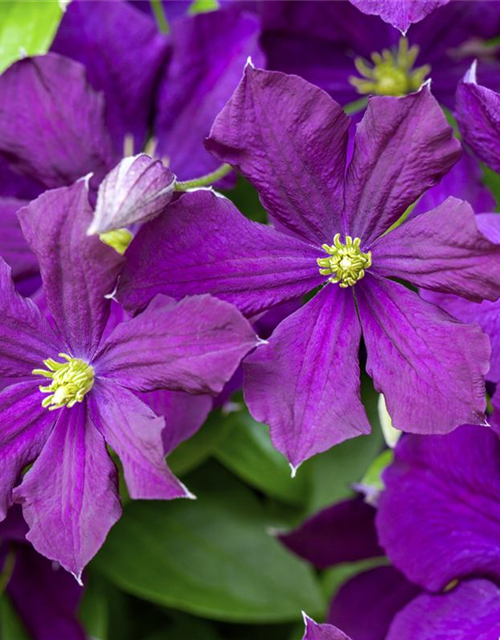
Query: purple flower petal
pixel 344 532
pixel 26 338
pixel 136 190
pixel 478 110
pixel 25 426
pixel 379 594
pixel 429 367
pixel 403 147
pixel 209 52
pixel 305 382
pixel 464 181
pixel 184 414
pixel 194 345
pixel 399 13
pixel 77 270
pixel 13 247
pixel 315 631
pixel 439 516
pixel 134 433
pixel 203 244
pixel 443 250
pixel 123 55
pixel 289 139
pixel 69 496
pixel 471 611
pixel 45 596
pixel 61 136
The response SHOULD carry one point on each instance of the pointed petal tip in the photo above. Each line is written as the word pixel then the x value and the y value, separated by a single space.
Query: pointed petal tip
pixel 249 63
pixel 470 76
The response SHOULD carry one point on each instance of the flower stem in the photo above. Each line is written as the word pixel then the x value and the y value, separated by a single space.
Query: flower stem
pixel 204 181
pixel 7 570
pixel 160 17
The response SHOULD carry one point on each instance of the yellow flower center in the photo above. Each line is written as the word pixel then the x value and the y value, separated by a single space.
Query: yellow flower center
pixel 392 73
pixel 71 381
pixel 346 263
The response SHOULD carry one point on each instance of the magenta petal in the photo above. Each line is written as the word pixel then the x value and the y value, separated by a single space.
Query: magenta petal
pixel 469 612
pixel 304 383
pixel 77 271
pixel 134 433
pixel 184 414
pixel 45 596
pixel 439 516
pixel 403 146
pixel 478 110
pixel 26 338
pixel 209 52
pixel 344 532
pixel 315 631
pixel 429 366
pixel 69 496
pixel 136 190
pixel 194 345
pixel 401 14
pixel 203 244
pixel 123 54
pixel 443 250
pixel 379 594
pixel 289 139
pixel 61 136
pixel 24 428
pixel 13 247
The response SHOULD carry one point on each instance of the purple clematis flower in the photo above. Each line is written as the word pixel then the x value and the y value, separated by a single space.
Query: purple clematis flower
pixel 289 139
pixel 77 387
pixel 350 54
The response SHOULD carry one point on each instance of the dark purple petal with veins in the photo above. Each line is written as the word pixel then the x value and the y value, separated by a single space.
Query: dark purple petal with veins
pixel 289 139
pixel 469 612
pixel 134 433
pixel 344 532
pixel 194 345
pixel 401 14
pixel 45 596
pixel 123 55
pixel 443 250
pixel 13 246
pixel 25 426
pixel 439 516
pixel 403 147
pixel 77 271
pixel 69 496
pixel 379 593
pixel 26 338
pixel 478 115
pixel 304 383
pixel 59 135
pixel 429 366
pixel 315 631
pixel 136 190
pixel 203 244
pixel 209 52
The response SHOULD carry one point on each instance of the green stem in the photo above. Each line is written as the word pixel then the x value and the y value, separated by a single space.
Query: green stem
pixel 204 181
pixel 160 17
pixel 356 106
pixel 7 570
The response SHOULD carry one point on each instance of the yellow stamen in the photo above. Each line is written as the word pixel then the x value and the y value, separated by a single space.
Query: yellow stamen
pixel 71 381
pixel 346 263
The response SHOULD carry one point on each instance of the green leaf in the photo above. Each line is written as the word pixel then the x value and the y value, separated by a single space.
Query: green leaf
pixel 184 629
pixel 11 627
pixel 213 557
pixel 193 452
pixel 203 6
pixel 249 453
pixel 27 29
pixel 373 476
pixel 103 611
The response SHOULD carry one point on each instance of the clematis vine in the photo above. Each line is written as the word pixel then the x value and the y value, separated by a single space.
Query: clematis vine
pixel 350 54
pixel 43 595
pixel 77 388
pixel 334 233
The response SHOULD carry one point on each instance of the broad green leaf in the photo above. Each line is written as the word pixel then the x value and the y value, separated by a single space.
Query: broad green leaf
pixel 212 557
pixel 249 453
pixel 11 627
pixel 27 29
pixel 193 452
pixel 103 610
